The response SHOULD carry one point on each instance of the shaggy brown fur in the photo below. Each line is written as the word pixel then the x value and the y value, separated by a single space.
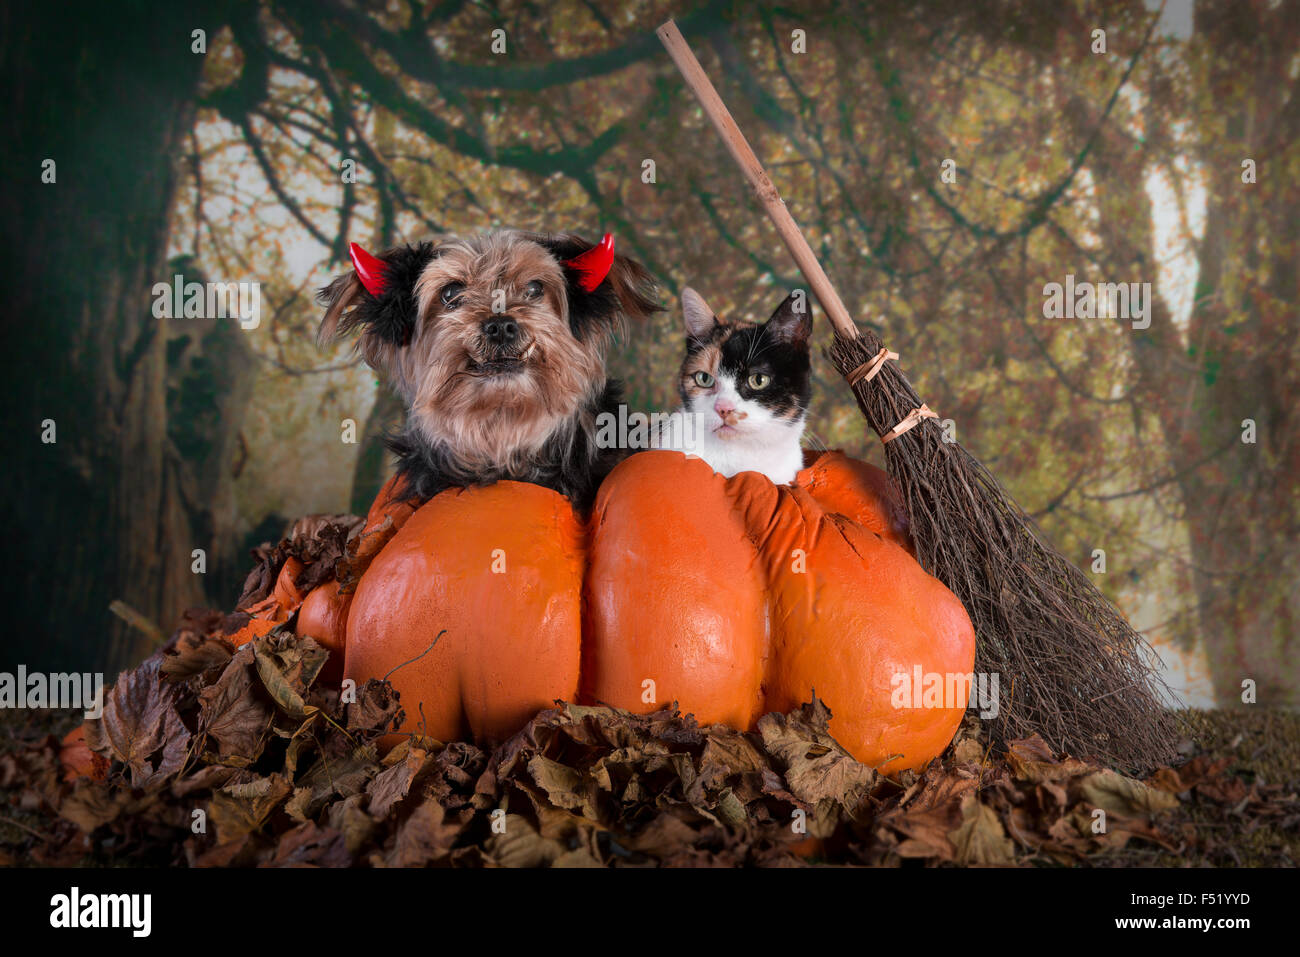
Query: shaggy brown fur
pixel 479 409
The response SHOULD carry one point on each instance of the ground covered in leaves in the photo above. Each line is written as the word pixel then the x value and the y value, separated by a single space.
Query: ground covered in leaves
pixel 213 757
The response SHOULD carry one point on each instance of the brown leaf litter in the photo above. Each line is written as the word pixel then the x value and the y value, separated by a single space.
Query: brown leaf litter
pixel 219 757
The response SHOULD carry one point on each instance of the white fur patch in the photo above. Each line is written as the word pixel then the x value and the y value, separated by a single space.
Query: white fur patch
pixel 760 442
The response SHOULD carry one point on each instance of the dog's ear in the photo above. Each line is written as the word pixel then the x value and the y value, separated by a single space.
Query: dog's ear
pixel 635 288
pixel 381 292
pixel 338 296
pixel 604 289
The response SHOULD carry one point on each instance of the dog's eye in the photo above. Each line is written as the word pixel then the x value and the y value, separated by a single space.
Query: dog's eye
pixel 533 290
pixel 451 292
pixel 759 381
pixel 703 380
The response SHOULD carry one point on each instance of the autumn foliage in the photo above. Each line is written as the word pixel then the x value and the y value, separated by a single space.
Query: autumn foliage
pixel 287 774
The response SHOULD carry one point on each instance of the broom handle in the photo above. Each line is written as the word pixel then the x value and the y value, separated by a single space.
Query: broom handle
pixel 741 152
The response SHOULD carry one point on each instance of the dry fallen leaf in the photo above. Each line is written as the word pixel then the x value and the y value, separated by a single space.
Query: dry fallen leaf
pixel 234 711
pixel 140 726
pixel 1116 794
pixel 239 809
pixel 392 784
pixel 980 839
pixel 816 767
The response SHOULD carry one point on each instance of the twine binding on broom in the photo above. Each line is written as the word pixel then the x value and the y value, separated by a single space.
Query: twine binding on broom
pixel 910 421
pixel 867 371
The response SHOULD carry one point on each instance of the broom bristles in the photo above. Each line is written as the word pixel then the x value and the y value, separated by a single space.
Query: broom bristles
pixel 1070 667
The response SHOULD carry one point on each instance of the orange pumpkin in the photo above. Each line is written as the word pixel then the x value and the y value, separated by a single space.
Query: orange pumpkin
pixel 324 617
pixel 275 608
pixel 733 597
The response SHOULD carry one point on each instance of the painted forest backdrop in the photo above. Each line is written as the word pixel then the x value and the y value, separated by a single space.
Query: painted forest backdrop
pixel 1162 151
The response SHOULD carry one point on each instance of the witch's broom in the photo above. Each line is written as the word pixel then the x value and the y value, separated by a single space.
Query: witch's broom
pixel 1069 665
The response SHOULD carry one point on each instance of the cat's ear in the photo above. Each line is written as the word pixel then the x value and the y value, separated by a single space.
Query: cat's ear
pixel 792 321
pixel 699 317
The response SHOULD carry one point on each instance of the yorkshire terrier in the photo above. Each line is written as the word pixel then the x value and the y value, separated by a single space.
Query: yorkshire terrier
pixel 496 344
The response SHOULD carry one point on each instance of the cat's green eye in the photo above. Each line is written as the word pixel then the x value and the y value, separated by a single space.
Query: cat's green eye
pixel 759 380
pixel 703 380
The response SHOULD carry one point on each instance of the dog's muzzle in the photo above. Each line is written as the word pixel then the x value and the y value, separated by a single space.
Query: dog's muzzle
pixel 500 332
pixel 505 351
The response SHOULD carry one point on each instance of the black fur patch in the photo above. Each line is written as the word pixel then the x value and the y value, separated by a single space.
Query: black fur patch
pixel 571 462
pixel 627 288
pixel 392 315
pixel 751 351
pixel 586 309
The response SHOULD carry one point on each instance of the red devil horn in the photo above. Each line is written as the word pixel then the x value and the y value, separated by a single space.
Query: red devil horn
pixel 593 266
pixel 371 271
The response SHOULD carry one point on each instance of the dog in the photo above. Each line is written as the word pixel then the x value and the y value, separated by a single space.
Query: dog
pixel 496 344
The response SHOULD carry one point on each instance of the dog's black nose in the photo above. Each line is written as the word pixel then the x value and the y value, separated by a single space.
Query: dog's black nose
pixel 501 330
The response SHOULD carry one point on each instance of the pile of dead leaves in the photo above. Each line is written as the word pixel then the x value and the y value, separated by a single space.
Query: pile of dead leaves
pixel 213 756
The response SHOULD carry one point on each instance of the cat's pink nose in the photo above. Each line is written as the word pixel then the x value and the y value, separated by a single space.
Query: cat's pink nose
pixel 723 406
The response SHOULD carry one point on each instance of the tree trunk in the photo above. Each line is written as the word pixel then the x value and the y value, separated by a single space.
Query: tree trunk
pixel 106 92
pixel 1239 505
pixel 1241 509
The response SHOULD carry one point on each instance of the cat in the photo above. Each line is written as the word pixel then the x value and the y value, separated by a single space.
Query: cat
pixel 745 389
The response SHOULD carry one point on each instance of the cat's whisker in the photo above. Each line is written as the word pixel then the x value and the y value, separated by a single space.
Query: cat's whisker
pixel 756 354
pixel 814 441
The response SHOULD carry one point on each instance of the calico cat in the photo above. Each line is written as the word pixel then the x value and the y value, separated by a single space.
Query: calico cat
pixel 745 389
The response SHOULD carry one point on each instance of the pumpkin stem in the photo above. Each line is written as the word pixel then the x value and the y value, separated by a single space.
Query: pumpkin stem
pixel 417 657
